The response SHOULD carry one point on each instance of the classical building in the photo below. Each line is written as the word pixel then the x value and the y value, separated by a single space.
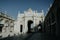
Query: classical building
pixel 28 20
pixel 52 19
pixel 6 24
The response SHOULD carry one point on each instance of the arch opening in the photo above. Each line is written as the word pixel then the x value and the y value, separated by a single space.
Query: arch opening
pixel 1 26
pixel 40 26
pixel 30 22
pixel 21 28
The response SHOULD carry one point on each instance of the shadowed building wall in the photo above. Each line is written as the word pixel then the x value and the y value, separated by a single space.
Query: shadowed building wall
pixel 52 19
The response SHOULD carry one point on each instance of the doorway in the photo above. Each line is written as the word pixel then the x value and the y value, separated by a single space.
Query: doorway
pixel 1 26
pixel 29 25
pixel 21 27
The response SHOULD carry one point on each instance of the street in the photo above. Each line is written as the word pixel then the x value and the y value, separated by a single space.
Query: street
pixel 32 36
pixel 41 36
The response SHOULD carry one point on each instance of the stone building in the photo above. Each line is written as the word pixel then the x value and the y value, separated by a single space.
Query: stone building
pixel 28 20
pixel 6 24
pixel 52 19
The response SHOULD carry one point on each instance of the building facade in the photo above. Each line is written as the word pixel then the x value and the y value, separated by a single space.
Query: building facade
pixel 28 20
pixel 52 19
pixel 6 24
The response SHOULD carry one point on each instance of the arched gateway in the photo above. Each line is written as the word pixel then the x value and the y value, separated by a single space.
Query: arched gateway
pixel 30 22
pixel 27 20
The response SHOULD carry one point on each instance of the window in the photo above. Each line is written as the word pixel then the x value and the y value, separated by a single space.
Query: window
pixel 21 27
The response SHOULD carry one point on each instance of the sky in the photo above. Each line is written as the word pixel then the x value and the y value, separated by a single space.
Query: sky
pixel 13 6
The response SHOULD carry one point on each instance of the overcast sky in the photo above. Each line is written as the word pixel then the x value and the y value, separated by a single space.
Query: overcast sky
pixel 13 6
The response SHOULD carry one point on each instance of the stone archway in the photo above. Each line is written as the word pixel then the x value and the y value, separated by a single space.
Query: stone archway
pixel 29 25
